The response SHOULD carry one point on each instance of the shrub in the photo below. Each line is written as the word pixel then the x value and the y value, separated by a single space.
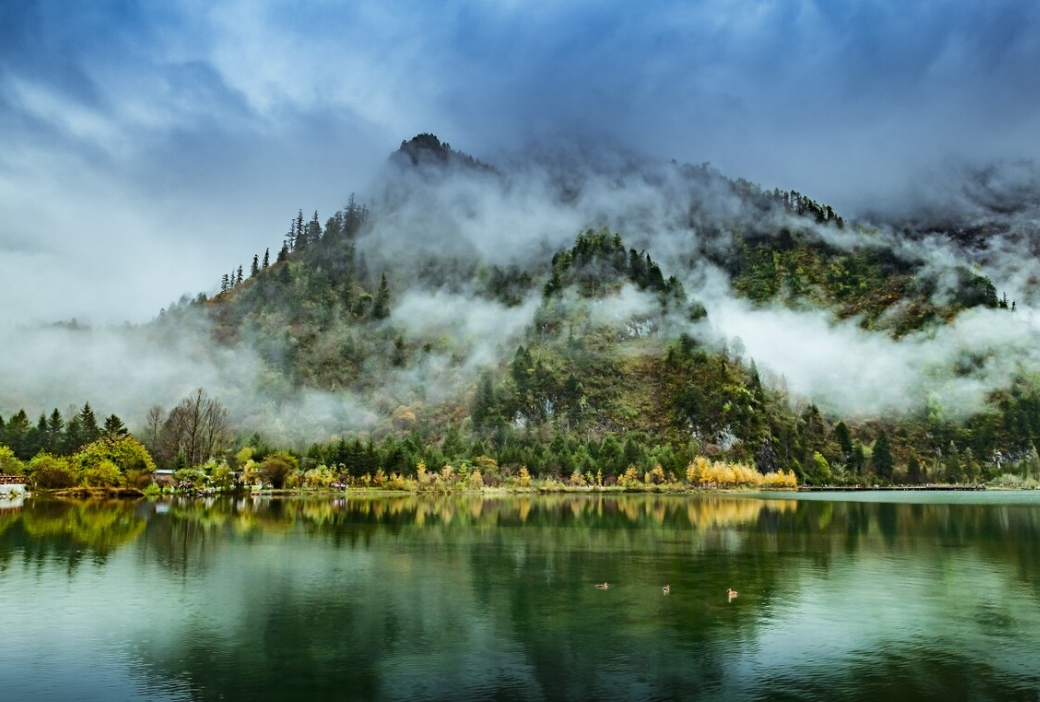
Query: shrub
pixel 138 478
pixel 276 469
pixel 1010 480
pixel 9 463
pixel 320 477
pixel 125 453
pixel 102 474
pixel 630 478
pixel 523 478
pixel 780 479
pixel 51 472
pixel 720 474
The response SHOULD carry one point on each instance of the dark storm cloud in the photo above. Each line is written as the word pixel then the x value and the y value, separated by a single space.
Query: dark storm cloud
pixel 160 144
pixel 841 99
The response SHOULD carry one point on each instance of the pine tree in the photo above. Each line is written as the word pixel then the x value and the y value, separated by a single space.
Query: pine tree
pixel 224 283
pixel 55 431
pixel 381 306
pixel 913 470
pixel 267 258
pixel 255 268
pixel 73 439
pixel 239 275
pixel 314 229
pixel 484 403
pixel 114 427
pixel 952 464
pixel 300 232
pixel 290 238
pixel 36 439
pixel 16 434
pixel 88 424
pixel 970 467
pixel 882 458
pixel 283 253
pixel 844 439
pixel 858 459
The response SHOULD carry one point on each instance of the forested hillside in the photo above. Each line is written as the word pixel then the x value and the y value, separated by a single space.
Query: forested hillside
pixel 576 320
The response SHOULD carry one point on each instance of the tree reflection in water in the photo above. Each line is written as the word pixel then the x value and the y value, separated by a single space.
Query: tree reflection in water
pixel 458 597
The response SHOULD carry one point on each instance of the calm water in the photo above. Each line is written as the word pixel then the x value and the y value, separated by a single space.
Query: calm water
pixel 933 597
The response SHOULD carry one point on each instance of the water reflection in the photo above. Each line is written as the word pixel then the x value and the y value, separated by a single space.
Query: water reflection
pixel 469 597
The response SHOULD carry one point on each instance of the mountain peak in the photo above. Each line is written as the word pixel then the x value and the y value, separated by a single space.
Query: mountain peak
pixel 426 148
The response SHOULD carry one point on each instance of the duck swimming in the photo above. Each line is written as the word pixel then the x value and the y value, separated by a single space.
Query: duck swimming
pixel 602 586
pixel 666 589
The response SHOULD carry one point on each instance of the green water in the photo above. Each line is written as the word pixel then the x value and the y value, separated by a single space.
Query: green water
pixel 933 597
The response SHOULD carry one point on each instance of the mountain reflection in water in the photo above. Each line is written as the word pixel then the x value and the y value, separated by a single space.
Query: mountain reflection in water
pixel 468 597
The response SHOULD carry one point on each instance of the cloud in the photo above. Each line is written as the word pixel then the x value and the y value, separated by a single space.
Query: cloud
pixel 211 124
pixel 859 374
pixel 146 149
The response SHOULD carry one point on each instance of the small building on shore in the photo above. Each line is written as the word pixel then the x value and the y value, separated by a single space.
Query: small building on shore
pixel 164 477
pixel 12 484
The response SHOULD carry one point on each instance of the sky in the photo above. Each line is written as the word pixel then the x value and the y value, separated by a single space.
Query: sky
pixel 147 148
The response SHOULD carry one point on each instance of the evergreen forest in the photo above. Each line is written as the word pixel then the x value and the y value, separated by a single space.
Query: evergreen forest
pixel 447 342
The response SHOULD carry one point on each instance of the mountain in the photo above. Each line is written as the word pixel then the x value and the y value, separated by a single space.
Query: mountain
pixel 588 311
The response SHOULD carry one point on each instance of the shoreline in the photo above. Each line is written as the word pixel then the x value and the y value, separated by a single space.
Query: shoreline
pixel 135 493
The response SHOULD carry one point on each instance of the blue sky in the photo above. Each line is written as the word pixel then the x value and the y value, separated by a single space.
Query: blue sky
pixel 146 147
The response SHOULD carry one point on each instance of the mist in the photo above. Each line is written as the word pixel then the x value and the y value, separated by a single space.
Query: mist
pixel 454 222
pixel 144 152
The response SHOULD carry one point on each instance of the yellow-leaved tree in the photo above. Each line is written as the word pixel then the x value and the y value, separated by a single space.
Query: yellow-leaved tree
pixel 113 461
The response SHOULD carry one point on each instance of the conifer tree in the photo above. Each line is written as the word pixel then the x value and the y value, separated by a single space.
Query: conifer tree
pixel 483 404
pixel 844 439
pixel 913 470
pixel 267 258
pixel 314 229
pixel 73 439
pixel 16 433
pixel 114 427
pixel 1033 463
pixel 88 424
pixel 55 429
pixel 882 458
pixel 858 460
pixel 36 439
pixel 970 468
pixel 299 233
pixel 255 268
pixel 290 238
pixel 952 464
pixel 381 306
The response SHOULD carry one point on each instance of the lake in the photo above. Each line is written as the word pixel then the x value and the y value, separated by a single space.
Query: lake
pixel 915 596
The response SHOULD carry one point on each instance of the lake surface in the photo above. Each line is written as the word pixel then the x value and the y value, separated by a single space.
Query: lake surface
pixel 936 596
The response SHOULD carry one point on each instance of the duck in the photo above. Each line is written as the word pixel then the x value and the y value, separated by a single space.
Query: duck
pixel 602 586
pixel 731 593
pixel 666 589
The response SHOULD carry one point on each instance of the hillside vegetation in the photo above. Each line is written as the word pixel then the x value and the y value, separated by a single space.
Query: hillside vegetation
pixel 590 357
